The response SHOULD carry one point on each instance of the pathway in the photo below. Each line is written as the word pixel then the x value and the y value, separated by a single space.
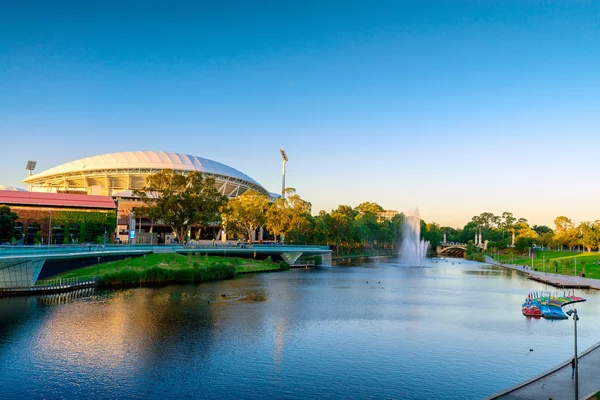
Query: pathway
pixel 549 278
pixel 556 383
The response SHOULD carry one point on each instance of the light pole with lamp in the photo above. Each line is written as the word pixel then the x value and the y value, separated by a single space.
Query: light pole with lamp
pixel 573 313
pixel 284 157
pixel 30 167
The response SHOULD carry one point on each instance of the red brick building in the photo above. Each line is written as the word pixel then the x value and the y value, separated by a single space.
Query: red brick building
pixel 61 218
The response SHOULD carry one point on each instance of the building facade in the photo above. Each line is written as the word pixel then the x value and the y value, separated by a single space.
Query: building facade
pixel 61 218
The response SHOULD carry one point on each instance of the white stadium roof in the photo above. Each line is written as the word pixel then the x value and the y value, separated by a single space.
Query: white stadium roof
pixel 144 159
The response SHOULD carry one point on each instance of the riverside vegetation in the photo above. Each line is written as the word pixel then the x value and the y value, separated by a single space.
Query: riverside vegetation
pixel 561 262
pixel 159 269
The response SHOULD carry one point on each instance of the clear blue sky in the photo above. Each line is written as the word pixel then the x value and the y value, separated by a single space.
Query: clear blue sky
pixel 455 107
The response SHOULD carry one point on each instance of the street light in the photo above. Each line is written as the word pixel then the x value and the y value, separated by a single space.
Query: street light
pixel 573 313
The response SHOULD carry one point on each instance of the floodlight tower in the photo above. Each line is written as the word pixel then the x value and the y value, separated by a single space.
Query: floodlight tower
pixel 285 160
pixel 30 167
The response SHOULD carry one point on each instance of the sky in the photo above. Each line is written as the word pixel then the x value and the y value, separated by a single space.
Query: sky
pixel 454 107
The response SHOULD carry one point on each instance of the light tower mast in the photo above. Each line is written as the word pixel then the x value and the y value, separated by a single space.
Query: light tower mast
pixel 285 160
pixel 30 167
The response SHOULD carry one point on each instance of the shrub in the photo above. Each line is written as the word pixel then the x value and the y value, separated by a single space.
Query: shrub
pixel 283 266
pixel 158 275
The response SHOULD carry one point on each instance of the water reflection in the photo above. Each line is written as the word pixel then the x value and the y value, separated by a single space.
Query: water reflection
pixel 373 330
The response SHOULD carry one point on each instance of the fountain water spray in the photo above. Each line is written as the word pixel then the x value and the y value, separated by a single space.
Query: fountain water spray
pixel 413 250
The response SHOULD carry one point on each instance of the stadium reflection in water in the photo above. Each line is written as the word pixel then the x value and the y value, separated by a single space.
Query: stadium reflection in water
pixel 368 330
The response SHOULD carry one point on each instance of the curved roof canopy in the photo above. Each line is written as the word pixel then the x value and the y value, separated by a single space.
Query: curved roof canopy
pixel 145 160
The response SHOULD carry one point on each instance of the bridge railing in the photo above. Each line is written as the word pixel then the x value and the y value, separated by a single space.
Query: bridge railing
pixel 278 247
pixel 67 282
pixel 50 285
pixel 38 250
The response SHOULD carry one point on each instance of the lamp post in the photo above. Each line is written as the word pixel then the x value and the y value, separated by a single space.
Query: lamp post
pixel 544 264
pixel 573 313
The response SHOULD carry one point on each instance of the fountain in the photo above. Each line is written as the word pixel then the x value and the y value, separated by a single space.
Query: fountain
pixel 413 249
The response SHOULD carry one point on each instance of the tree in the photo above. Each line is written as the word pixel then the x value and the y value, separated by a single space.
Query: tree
pixel 541 229
pixel 366 224
pixel 433 234
pixel 485 220
pixel 565 232
pixel 7 224
pixel 368 208
pixel 524 242
pixel 289 213
pixel 547 238
pixel 341 225
pixel 181 201
pixel 508 220
pixel 526 232
pixel 277 218
pixel 246 212
pixel 588 235
pixel 298 208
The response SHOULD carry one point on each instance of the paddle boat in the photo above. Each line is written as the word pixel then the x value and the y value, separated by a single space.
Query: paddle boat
pixel 544 304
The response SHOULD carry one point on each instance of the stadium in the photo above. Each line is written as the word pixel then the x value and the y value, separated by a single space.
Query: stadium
pixel 118 174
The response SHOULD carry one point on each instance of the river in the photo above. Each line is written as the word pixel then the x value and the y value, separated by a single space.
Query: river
pixel 453 330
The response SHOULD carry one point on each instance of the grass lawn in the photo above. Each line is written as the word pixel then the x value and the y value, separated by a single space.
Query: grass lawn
pixel 169 261
pixel 549 261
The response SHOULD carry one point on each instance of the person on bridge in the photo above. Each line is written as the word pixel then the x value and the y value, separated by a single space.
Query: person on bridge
pixel 573 367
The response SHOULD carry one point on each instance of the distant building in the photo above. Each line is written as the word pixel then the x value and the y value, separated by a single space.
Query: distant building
pixel 387 215
pixel 73 217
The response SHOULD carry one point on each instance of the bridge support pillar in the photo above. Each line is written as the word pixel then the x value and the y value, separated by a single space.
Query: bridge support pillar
pixel 20 274
pixel 291 257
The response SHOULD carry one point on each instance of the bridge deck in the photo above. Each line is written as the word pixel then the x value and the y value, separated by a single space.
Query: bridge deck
pixel 20 267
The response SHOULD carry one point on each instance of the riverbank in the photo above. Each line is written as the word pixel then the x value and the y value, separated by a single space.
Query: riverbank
pixel 556 280
pixel 567 263
pixel 167 268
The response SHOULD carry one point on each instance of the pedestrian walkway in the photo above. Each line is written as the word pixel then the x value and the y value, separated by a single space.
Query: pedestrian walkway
pixel 561 281
pixel 556 384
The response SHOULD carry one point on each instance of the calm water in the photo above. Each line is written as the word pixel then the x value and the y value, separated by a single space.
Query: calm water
pixel 372 331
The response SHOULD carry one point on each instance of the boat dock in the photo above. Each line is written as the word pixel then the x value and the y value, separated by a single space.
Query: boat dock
pixel 560 283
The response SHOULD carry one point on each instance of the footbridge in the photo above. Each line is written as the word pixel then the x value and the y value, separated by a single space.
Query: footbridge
pixel 452 249
pixel 20 267
pixel 288 253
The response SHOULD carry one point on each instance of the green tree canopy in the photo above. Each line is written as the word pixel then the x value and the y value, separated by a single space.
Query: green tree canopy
pixel 246 212
pixel 565 232
pixel 7 224
pixel 181 201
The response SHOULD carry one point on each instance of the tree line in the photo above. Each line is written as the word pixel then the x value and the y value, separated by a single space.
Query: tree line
pixel 190 201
